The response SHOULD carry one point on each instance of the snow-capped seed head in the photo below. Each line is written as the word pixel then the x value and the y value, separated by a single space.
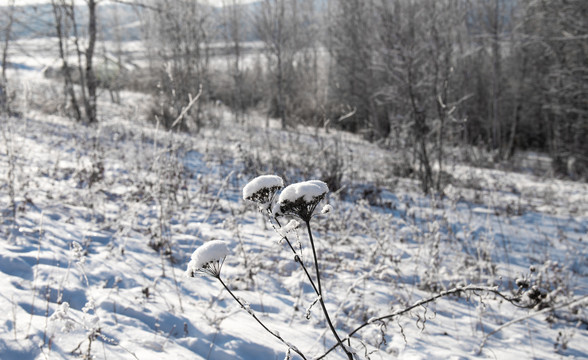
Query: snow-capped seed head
pixel 208 259
pixel 262 189
pixel 301 199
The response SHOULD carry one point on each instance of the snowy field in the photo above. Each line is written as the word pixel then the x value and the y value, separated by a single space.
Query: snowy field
pixel 98 225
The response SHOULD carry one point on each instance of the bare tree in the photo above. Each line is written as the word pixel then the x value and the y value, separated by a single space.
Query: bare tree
pixel 277 26
pixel 7 33
pixel 352 80
pixel 233 34
pixel 406 67
pixel 180 33
pixel 445 17
pixel 66 21
pixel 519 66
pixel 493 13
pixel 61 13
pixel 92 83
pixel 559 55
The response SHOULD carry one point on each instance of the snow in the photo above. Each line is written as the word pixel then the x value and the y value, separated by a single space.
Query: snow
pixel 78 257
pixel 290 226
pixel 306 190
pixel 262 182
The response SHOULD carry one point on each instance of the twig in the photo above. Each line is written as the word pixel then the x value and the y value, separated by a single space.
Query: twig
pixel 421 302
pixel 274 333
pixel 185 110
pixel 530 315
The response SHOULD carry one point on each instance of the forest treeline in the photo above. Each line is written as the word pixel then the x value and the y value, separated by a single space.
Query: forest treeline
pixel 421 76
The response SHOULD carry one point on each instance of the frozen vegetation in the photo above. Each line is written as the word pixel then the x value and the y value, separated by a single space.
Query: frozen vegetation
pixel 100 223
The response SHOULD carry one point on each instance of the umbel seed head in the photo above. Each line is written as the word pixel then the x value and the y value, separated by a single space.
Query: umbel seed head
pixel 301 199
pixel 263 189
pixel 208 259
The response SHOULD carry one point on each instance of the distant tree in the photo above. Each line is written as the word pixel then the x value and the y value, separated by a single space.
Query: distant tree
pixel 63 13
pixel 492 17
pixel 66 26
pixel 446 23
pixel 559 56
pixel 352 34
pixel 6 22
pixel 278 24
pixel 233 24
pixel 518 65
pixel 92 83
pixel 179 35
pixel 404 62
pixel 311 81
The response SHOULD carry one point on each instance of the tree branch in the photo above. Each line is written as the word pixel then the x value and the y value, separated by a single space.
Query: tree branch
pixel 528 316
pixel 457 290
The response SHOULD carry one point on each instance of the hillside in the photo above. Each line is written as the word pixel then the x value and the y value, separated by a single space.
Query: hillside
pixel 104 219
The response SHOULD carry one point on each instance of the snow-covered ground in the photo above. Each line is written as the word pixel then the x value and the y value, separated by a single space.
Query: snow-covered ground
pixel 98 225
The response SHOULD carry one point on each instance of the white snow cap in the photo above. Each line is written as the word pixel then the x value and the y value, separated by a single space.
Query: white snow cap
pixel 308 190
pixel 214 250
pixel 260 182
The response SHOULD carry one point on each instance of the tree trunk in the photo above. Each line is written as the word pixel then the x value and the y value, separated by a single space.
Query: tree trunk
pixel 90 76
pixel 68 81
pixel 3 81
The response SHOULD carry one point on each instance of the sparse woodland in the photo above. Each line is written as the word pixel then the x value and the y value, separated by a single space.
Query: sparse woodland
pixel 294 179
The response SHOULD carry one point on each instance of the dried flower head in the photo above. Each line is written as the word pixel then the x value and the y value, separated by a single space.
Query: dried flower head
pixel 262 189
pixel 208 259
pixel 301 199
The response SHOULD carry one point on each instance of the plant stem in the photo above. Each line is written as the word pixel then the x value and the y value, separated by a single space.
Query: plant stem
pixel 321 295
pixel 275 334
pixel 298 259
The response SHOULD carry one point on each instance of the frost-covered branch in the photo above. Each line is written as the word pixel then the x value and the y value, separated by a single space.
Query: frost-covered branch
pixel 579 301
pixel 457 290
pixel 250 312
pixel 185 109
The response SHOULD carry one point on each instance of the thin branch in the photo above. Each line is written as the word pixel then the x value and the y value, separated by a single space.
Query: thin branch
pixel 185 110
pixel 274 333
pixel 348 115
pixel 530 315
pixel 422 302
pixel 137 4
